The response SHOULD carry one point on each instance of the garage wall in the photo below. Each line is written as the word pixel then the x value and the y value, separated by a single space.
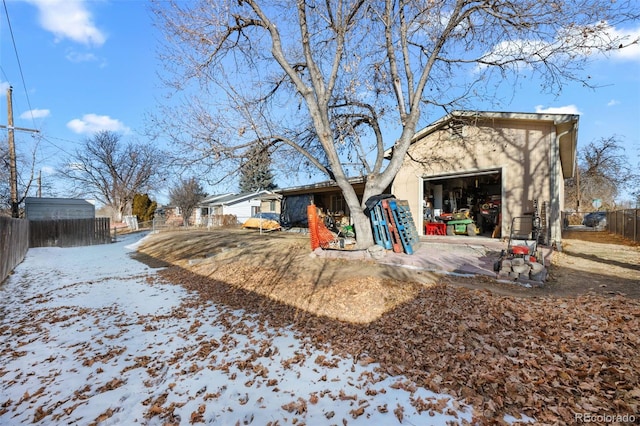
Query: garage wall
pixel 520 148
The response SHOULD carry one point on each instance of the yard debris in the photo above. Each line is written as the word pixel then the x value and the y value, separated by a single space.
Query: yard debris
pixel 537 359
pixel 543 357
pixel 504 355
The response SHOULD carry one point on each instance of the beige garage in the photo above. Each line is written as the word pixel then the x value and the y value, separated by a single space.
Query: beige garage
pixel 500 162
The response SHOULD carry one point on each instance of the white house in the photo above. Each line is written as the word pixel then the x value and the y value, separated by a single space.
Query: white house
pixel 242 206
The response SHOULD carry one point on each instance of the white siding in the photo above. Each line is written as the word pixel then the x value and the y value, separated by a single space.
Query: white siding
pixel 242 210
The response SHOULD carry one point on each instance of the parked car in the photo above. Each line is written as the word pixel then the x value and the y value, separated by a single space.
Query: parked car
pixel 595 219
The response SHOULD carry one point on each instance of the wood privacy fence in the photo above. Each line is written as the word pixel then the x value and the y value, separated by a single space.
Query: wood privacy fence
pixel 14 243
pixel 625 223
pixel 69 232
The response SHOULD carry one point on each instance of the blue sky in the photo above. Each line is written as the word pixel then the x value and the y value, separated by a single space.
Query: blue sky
pixel 84 66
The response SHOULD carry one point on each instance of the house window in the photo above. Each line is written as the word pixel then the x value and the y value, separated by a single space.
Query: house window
pixel 255 210
pixel 272 206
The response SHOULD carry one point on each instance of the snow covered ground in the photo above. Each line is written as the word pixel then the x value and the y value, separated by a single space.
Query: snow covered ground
pixel 90 336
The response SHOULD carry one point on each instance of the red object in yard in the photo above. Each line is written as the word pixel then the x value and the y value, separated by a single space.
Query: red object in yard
pixel 320 235
pixel 520 250
pixel 435 228
pixel 312 216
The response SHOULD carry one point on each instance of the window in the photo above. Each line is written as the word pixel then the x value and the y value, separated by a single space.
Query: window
pixel 255 210
pixel 272 206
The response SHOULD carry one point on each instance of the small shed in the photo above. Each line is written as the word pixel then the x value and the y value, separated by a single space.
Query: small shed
pixel 38 208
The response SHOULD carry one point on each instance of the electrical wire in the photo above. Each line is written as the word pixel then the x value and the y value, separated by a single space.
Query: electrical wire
pixel 15 49
pixel 47 139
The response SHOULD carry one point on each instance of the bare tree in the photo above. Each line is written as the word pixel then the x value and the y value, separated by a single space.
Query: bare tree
pixel 25 165
pixel 187 195
pixel 337 83
pixel 111 171
pixel 604 172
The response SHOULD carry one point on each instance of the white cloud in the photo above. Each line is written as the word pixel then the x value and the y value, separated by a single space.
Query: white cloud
pixel 567 109
pixel 602 40
pixel 613 102
pixel 629 53
pixel 605 40
pixel 81 57
pixel 77 57
pixel 69 19
pixel 48 170
pixel 35 113
pixel 92 123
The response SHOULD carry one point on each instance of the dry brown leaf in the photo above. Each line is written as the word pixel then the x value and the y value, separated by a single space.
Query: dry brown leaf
pixel 399 412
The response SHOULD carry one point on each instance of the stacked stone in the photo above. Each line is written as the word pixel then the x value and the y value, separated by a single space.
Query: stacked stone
pixel 520 268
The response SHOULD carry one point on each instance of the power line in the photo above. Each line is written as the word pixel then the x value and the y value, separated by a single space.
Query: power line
pixel 48 140
pixel 15 49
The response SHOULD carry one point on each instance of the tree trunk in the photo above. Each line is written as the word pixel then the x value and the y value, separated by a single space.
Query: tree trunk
pixel 362 224
pixel 119 213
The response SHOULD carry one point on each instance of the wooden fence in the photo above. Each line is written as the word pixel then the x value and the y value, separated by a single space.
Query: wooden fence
pixel 14 243
pixel 625 223
pixel 69 232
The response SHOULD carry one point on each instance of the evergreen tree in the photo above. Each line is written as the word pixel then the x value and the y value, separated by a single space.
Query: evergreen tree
pixel 143 207
pixel 255 172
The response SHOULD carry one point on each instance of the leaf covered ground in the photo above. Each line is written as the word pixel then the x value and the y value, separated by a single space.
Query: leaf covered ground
pixel 552 358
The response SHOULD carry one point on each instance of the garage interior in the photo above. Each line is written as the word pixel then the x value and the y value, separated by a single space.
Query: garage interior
pixel 476 196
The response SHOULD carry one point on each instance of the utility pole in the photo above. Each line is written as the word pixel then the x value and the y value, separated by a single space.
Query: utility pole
pixel 13 170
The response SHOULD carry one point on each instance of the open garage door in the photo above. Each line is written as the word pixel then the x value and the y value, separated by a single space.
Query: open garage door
pixel 475 195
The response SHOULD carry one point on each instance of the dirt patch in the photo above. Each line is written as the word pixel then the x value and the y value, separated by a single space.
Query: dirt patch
pixel 595 262
pixel 280 266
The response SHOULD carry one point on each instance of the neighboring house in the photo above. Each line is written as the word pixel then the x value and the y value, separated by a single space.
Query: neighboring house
pixel 242 206
pixel 472 160
pixel 271 202
pixel 325 195
pixel 38 208
pixel 202 215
